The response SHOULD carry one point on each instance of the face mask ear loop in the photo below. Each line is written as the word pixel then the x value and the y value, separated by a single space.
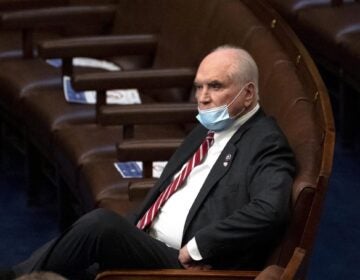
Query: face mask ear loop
pixel 241 90
pixel 232 101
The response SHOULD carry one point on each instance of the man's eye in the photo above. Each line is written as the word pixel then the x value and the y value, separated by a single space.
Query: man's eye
pixel 215 86
pixel 198 87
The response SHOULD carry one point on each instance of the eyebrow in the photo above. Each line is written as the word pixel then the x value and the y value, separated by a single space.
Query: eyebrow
pixel 211 83
pixel 215 83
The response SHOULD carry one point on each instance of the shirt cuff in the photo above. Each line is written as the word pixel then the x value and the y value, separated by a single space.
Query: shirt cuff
pixel 193 250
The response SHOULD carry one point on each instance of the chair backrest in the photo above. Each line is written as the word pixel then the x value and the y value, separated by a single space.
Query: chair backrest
pixel 138 17
pixel 295 95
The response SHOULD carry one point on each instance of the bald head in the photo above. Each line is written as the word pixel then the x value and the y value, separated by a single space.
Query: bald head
pixel 239 64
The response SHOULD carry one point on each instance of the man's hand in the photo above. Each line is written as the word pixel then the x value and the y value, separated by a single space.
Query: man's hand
pixel 188 263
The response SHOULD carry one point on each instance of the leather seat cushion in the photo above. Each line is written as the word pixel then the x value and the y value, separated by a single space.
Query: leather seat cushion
pixel 46 110
pixel 100 184
pixel 75 145
pixel 19 76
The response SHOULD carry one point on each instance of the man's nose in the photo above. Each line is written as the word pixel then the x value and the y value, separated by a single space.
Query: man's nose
pixel 203 95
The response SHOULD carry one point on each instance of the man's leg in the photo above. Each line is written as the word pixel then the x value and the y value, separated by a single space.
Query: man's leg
pixel 105 238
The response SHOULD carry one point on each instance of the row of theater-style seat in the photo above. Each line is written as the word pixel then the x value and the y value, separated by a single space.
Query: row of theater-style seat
pixel 158 44
pixel 330 29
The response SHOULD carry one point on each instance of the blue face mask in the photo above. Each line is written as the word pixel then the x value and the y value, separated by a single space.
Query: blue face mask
pixel 218 118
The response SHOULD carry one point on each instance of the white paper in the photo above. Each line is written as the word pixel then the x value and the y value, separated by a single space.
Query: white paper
pixel 86 62
pixel 129 170
pixel 117 96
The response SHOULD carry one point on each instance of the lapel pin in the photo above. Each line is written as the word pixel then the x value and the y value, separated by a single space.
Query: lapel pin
pixel 227 159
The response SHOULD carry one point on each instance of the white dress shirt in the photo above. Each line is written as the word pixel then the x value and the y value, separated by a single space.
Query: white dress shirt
pixel 169 224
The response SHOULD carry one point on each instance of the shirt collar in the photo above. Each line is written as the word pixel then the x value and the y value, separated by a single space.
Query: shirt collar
pixel 237 124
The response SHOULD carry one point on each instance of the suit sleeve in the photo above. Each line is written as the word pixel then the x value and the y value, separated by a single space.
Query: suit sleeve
pixel 269 178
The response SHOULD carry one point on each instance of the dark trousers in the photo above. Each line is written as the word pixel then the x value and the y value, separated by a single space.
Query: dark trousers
pixel 101 237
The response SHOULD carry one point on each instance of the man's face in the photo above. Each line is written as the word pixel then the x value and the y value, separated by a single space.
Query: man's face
pixel 215 86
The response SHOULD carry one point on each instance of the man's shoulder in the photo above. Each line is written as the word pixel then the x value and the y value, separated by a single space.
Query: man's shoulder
pixel 260 122
pixel 265 126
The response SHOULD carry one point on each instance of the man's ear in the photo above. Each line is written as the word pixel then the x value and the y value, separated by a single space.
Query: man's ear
pixel 249 94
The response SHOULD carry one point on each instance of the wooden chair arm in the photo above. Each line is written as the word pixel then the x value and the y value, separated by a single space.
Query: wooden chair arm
pixel 151 78
pixel 147 149
pixel 158 113
pixel 176 274
pixel 59 16
pixel 99 46
pixel 294 264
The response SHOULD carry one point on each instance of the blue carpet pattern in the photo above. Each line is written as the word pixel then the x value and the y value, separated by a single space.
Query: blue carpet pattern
pixel 22 228
pixel 336 253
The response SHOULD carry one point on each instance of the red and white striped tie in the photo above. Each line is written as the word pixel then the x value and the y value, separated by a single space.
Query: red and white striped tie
pixel 198 156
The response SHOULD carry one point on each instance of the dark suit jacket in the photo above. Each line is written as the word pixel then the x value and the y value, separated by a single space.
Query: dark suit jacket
pixel 244 203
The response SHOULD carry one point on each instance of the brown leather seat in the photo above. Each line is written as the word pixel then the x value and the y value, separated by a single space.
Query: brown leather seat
pixel 14 88
pixel 331 32
pixel 324 38
pixel 24 78
pixel 19 76
pixel 336 42
pixel 289 9
pixel 12 41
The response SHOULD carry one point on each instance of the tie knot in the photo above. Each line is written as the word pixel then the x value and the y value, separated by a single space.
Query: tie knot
pixel 210 137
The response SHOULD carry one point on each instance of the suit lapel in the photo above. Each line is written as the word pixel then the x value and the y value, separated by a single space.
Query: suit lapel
pixel 221 166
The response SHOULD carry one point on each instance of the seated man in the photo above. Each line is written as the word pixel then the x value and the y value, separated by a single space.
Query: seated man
pixel 222 201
